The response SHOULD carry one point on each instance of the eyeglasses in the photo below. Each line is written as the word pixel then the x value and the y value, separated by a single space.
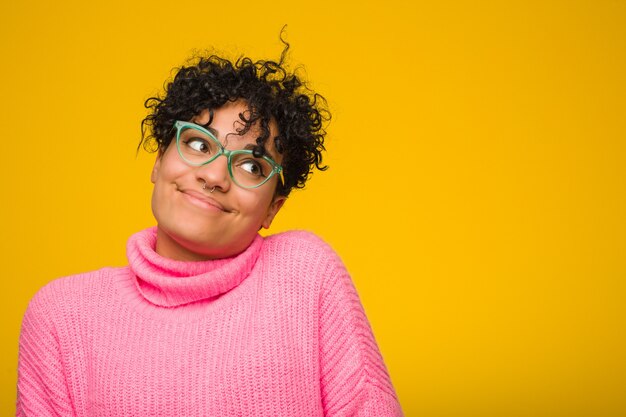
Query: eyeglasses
pixel 197 146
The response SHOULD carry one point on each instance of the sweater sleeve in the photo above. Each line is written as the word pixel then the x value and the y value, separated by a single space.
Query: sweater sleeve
pixel 41 386
pixel 354 379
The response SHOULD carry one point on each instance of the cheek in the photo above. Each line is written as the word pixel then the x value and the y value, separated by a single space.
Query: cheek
pixel 254 206
pixel 157 201
pixel 164 180
pixel 169 169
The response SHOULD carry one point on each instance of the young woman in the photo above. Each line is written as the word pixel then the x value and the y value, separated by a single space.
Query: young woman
pixel 209 318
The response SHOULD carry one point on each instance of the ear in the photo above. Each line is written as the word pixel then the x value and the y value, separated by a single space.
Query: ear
pixel 273 209
pixel 155 170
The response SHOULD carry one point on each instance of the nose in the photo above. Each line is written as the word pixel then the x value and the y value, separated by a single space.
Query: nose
pixel 215 174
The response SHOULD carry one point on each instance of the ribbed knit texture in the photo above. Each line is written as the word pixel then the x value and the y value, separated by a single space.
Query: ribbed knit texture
pixel 277 330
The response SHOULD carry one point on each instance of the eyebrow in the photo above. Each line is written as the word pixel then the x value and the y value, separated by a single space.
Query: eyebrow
pixel 209 128
pixel 267 153
pixel 212 131
pixel 249 146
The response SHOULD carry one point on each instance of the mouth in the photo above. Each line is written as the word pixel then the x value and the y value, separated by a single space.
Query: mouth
pixel 205 202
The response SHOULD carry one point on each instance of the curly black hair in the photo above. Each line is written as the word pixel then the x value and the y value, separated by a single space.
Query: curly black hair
pixel 270 92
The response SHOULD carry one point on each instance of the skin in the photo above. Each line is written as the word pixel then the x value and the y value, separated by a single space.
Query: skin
pixel 196 225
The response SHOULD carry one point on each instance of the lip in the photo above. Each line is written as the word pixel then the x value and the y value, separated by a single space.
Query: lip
pixel 203 201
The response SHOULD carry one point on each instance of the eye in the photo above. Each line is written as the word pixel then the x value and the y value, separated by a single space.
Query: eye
pixel 252 167
pixel 198 144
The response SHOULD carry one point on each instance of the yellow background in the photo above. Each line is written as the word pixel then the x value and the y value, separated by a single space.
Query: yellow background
pixel 476 189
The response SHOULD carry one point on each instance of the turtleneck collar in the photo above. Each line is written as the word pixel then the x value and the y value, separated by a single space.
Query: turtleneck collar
pixel 170 283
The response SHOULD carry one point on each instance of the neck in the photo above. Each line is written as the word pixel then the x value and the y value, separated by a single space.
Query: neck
pixel 168 247
pixel 158 278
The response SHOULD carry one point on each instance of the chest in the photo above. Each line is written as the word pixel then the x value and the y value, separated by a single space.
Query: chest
pixel 247 360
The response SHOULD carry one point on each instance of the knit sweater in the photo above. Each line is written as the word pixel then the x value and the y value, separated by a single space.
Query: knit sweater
pixel 277 330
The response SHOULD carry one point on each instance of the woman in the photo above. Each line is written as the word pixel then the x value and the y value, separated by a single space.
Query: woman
pixel 209 318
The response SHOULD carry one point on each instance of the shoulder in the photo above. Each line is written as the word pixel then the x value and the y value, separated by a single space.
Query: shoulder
pixel 303 253
pixel 294 238
pixel 66 293
pixel 299 243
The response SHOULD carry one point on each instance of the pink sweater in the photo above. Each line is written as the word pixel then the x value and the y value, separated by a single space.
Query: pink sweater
pixel 277 330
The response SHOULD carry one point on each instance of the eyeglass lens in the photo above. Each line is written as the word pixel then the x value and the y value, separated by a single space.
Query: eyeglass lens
pixel 198 148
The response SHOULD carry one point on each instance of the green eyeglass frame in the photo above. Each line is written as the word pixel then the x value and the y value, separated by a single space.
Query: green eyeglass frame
pixel 182 125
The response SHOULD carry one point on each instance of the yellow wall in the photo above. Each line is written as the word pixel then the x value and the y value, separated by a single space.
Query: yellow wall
pixel 476 191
